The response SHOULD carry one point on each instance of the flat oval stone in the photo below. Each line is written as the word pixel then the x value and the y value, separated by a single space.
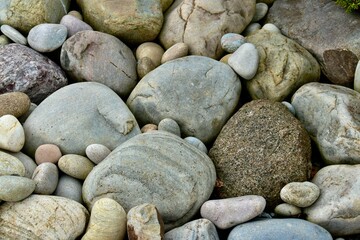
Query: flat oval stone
pixel 14 103
pixel 287 210
pixel 14 188
pixel 300 194
pixel 169 125
pixel 27 161
pixel 229 212
pixel 97 152
pixel 245 61
pixel 74 24
pixel 43 217
pixel 12 136
pixel 47 37
pixel 230 42
pixel 46 177
pixel 75 166
pixel 13 34
pixel 69 187
pixel 197 143
pixel 47 153
pixel 178 50
pixel 10 165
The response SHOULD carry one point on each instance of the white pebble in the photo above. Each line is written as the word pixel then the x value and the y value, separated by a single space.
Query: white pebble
pixel 245 61
pixel 12 135
pixel 357 78
pixel 97 152
pixel 13 34
pixel 271 28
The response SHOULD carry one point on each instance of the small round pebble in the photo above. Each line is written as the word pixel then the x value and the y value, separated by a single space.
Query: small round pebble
pixel 47 153
pixel 197 143
pixel 149 127
pixel 169 125
pixel 251 29
pixel 230 42
pixel 300 194
pixel 287 210
pixel 4 40
pixel 144 66
pixel 14 188
pixel 178 50
pixel 13 34
pixel 76 166
pixel 290 107
pixel 47 37
pixel 14 103
pixel 74 25
pixel 271 28
pixel 10 165
pixel 70 188
pixel 260 12
pixel 151 50
pixel 357 77
pixel 245 61
pixel 97 152
pixel 76 14
pixel 12 135
pixel 46 177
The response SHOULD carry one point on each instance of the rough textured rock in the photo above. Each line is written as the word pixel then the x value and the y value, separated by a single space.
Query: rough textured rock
pixel 132 21
pixel 148 169
pixel 253 160
pixel 284 66
pixel 338 208
pixel 76 108
pixel 194 230
pixel 326 30
pixel 211 88
pixel 188 22
pixel 23 15
pixel 330 114
pixel 42 217
pixel 100 57
pixel 28 71
pixel 14 103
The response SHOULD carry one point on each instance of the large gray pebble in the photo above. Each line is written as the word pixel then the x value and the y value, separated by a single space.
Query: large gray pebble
pixel 46 177
pixel 47 37
pixel 194 230
pixel 70 188
pixel 14 188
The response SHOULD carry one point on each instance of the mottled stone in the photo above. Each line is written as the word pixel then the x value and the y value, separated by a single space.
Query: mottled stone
pixel 27 161
pixel 10 165
pixel 145 222
pixel 13 34
pixel 193 83
pixel 47 153
pixel 14 103
pixel 178 50
pixel 300 194
pixel 150 50
pixel 97 152
pixel 284 66
pixel 253 160
pixel 47 37
pixel 99 57
pixel 330 115
pixel 169 125
pixel 230 42
pixel 245 61
pixel 46 177
pixel 42 217
pixel 12 136
pixel 197 143
pixel 196 229
pixel 287 210
pixel 188 22
pixel 30 72
pixel 70 188
pixel 337 208
pixel 74 24
pixel 15 188
pixel 78 107
pixel 75 166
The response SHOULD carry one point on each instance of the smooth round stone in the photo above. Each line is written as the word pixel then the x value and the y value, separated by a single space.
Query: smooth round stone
pixel 178 50
pixel 357 77
pixel 76 14
pixel 245 61
pixel 229 212
pixel 290 107
pixel 300 194
pixel 14 188
pixel 14 103
pixel 271 28
pixel 197 143
pixel 47 153
pixel 251 29
pixel 46 177
pixel 13 34
pixel 76 166
pixel 261 10
pixel 12 136
pixel 107 221
pixel 144 66
pixel 27 161
pixel 10 165
pixel 151 50
pixel 74 24
pixel 97 152
pixel 287 210
pixel 47 37
pixel 70 188
pixel 4 40
pixel 169 125
pixel 149 127
pixel 230 42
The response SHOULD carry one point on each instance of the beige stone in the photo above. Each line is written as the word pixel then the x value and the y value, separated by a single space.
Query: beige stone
pixel 300 194
pixel 287 210
pixel 76 166
pixel 144 66
pixel 178 50
pixel 150 50
pixel 14 103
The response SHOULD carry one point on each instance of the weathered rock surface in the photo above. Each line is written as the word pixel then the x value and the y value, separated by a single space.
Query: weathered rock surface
pixel 28 71
pixel 253 160
pixel 14 103
pixel 211 88
pixel 284 66
pixel 188 22
pixel 196 229
pixel 330 114
pixel 76 108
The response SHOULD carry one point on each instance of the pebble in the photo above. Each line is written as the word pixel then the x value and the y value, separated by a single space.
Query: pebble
pixel 197 143
pixel 47 37
pixel 178 50
pixel 69 187
pixel 230 42
pixel 245 61
pixel 151 50
pixel 10 165
pixel 27 161
pixel 12 136
pixel 229 212
pixel 13 34
pixel 15 188
pixel 76 166
pixel 47 153
pixel 97 152
pixel 76 14
pixel 14 103
pixel 169 125
pixel 107 221
pixel 287 210
pixel 300 194
pixel 290 107
pixel 149 127
pixel 4 40
pixel 251 29
pixel 271 27
pixel 74 24
pixel 145 222
pixel 144 66
pixel 46 177
pixel 260 12
pixel 357 77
